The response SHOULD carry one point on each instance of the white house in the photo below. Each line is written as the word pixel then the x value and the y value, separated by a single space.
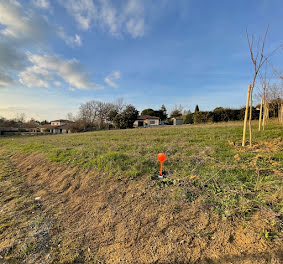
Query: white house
pixel 147 121
pixel 60 122
pixel 57 127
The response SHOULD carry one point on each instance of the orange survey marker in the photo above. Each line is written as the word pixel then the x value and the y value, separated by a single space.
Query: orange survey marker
pixel 161 157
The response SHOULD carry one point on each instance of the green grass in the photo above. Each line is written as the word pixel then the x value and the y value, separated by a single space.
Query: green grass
pixel 200 155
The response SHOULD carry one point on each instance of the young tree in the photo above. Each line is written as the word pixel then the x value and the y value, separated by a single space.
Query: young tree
pixel 264 106
pixel 258 59
pixel 196 115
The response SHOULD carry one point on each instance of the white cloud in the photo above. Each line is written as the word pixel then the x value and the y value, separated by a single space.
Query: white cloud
pixel 83 11
pixel 135 24
pixel 116 75
pixel 20 25
pixel 23 29
pixel 45 68
pixel 136 27
pixel 35 76
pixel 71 41
pixel 44 4
pixel 129 18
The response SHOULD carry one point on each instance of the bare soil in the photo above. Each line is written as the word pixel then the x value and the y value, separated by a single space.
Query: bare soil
pixel 80 216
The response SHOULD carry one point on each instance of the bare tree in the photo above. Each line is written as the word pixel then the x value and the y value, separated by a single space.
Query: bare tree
pixel 95 113
pixel 21 117
pixel 258 59
pixel 120 105
pixel 264 106
pixel 88 112
pixel 70 117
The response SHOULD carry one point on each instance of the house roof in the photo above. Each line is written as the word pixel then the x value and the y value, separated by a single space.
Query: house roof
pixel 144 117
pixel 46 126
pixel 67 126
pixel 61 120
pixel 63 127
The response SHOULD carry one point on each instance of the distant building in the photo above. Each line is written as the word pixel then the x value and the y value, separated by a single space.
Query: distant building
pixel 57 127
pixel 60 122
pixel 178 121
pixel 18 131
pixel 147 121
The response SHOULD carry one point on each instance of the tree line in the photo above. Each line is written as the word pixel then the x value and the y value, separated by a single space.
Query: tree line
pixel 97 115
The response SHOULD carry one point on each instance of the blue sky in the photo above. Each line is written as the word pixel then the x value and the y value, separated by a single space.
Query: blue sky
pixel 57 54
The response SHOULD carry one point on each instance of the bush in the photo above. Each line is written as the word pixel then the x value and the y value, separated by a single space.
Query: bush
pixel 189 118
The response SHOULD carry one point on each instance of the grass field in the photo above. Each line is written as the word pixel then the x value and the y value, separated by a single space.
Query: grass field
pixel 206 167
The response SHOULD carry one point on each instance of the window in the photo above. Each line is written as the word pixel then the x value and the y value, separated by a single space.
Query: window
pixel 152 122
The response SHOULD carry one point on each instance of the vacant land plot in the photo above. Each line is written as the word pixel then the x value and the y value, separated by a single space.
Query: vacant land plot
pixel 95 197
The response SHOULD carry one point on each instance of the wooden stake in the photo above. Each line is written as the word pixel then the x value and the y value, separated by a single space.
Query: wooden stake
pixel 260 115
pixel 246 116
pixel 264 114
pixel 280 114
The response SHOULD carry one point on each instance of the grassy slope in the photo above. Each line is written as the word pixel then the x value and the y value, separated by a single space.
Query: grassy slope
pixel 234 179
pixel 206 171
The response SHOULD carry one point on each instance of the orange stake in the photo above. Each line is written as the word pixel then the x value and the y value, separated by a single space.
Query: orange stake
pixel 161 157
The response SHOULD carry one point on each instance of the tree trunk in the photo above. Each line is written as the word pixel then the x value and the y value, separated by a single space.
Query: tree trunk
pixel 260 115
pixel 264 115
pixel 246 117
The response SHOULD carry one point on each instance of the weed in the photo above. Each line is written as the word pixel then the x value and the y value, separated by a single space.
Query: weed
pixel 268 235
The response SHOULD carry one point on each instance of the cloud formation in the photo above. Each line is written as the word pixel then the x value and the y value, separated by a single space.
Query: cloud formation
pixel 22 29
pixel 116 75
pixel 20 25
pixel 44 4
pixel 127 19
pixel 47 68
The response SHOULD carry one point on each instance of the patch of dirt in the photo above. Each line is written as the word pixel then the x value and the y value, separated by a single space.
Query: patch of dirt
pixel 102 220
pixel 25 227
pixel 269 146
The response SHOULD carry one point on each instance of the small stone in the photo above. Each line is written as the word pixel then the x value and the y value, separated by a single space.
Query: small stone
pixel 37 198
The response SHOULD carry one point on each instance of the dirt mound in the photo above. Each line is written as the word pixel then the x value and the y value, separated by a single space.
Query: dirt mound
pixel 97 219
